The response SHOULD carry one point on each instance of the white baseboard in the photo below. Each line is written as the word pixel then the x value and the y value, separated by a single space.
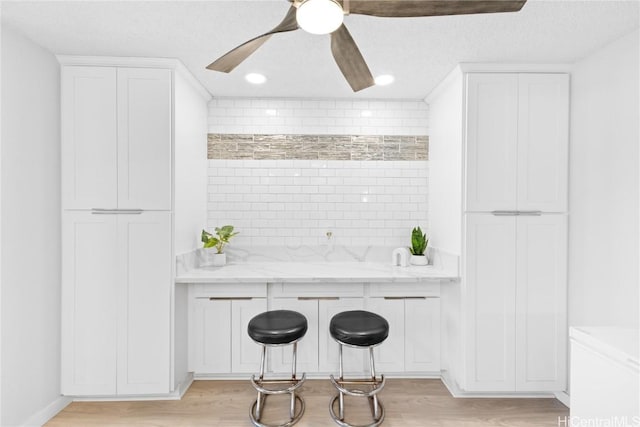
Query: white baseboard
pixel 564 398
pixel 457 392
pixel 175 395
pixel 51 410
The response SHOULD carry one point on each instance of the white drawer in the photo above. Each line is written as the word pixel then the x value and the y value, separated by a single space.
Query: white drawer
pixel 316 289
pixel 229 290
pixel 404 290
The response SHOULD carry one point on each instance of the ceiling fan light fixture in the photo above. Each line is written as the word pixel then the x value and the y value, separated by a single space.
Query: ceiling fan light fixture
pixel 319 16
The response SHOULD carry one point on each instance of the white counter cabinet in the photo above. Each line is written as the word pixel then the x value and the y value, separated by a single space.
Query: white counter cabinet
pixel 130 129
pixel 219 346
pixel 498 199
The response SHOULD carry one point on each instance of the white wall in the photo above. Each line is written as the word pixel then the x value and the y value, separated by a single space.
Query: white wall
pixel 317 116
pixel 30 154
pixel 603 201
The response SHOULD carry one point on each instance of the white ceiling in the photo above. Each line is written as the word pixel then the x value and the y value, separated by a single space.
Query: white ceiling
pixel 418 51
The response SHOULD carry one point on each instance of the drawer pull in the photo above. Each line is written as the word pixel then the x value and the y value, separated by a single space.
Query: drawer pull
pixel 394 298
pixel 318 298
pixel 230 298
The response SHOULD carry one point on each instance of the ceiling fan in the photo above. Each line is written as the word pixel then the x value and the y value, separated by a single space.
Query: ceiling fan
pixel 326 16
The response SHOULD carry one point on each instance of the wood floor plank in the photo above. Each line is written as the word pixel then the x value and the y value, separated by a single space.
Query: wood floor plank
pixel 408 403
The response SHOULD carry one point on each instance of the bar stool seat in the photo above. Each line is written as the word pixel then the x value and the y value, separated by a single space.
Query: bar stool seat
pixel 277 327
pixel 360 329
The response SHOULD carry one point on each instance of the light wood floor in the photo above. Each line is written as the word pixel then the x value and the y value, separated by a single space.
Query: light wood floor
pixel 408 403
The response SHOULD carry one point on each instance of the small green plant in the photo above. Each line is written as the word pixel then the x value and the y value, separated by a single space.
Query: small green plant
pixel 418 242
pixel 224 233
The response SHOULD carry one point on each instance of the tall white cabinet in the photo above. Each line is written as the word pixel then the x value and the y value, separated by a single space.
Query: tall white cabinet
pixel 119 136
pixel 503 136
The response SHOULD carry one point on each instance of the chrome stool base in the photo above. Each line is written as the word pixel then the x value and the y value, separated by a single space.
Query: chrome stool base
pixel 296 407
pixel 342 423
pixel 342 386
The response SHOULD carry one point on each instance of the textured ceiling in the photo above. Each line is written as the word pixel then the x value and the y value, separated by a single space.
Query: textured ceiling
pixel 418 51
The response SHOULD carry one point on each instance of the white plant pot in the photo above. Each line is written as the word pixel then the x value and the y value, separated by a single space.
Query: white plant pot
pixel 218 260
pixel 418 260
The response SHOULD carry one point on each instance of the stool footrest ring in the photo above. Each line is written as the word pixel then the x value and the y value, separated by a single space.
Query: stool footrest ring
pixel 378 386
pixel 289 423
pixel 342 423
pixel 295 384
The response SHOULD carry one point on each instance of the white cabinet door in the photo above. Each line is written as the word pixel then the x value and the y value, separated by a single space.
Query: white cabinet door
pixel 490 287
pixel 541 326
pixel 144 138
pixel 491 137
pixel 352 358
pixel 89 136
pixel 389 356
pixel 89 284
pixel 211 347
pixel 281 357
pixel 245 354
pixel 144 302
pixel 422 335
pixel 543 142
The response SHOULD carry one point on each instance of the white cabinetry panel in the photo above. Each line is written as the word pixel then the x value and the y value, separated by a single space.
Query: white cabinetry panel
pixel 492 131
pixel 89 155
pixel 245 353
pixel 353 358
pixel 89 285
pixel 211 328
pixel 490 274
pixel 389 356
pixel 144 139
pixel 541 326
pixel 144 302
pixel 422 334
pixel 307 357
pixel 543 142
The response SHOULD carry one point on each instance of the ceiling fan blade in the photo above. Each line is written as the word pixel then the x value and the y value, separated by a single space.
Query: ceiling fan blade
pixel 234 57
pixel 350 60
pixel 415 8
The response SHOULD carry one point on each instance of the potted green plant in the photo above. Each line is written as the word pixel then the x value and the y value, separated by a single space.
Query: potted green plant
pixel 218 242
pixel 419 243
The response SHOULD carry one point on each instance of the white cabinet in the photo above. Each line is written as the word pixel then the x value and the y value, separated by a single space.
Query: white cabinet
pixel 517 135
pixel 116 138
pixel 490 276
pixel 89 303
pixel 506 317
pixel 119 135
pixel 317 351
pixel 515 276
pixel 115 303
pixel 220 343
pixel 89 137
pixel 413 344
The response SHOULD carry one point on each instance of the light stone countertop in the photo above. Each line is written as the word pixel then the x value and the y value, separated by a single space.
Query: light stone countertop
pixel 314 272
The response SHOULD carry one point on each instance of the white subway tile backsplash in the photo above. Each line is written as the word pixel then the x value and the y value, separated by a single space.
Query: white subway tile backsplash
pixel 295 202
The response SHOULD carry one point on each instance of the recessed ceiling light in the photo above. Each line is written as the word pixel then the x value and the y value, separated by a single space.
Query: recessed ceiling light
pixel 385 79
pixel 255 78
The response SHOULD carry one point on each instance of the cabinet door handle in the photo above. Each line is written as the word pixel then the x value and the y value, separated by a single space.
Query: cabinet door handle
pixel 318 298
pixel 504 213
pixel 530 213
pixel 229 298
pixel 97 211
pixel 424 297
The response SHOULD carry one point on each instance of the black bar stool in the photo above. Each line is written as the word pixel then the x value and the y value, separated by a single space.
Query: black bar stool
pixel 272 329
pixel 361 329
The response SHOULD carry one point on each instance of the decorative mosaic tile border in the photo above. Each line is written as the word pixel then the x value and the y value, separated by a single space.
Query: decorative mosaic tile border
pixel 317 147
